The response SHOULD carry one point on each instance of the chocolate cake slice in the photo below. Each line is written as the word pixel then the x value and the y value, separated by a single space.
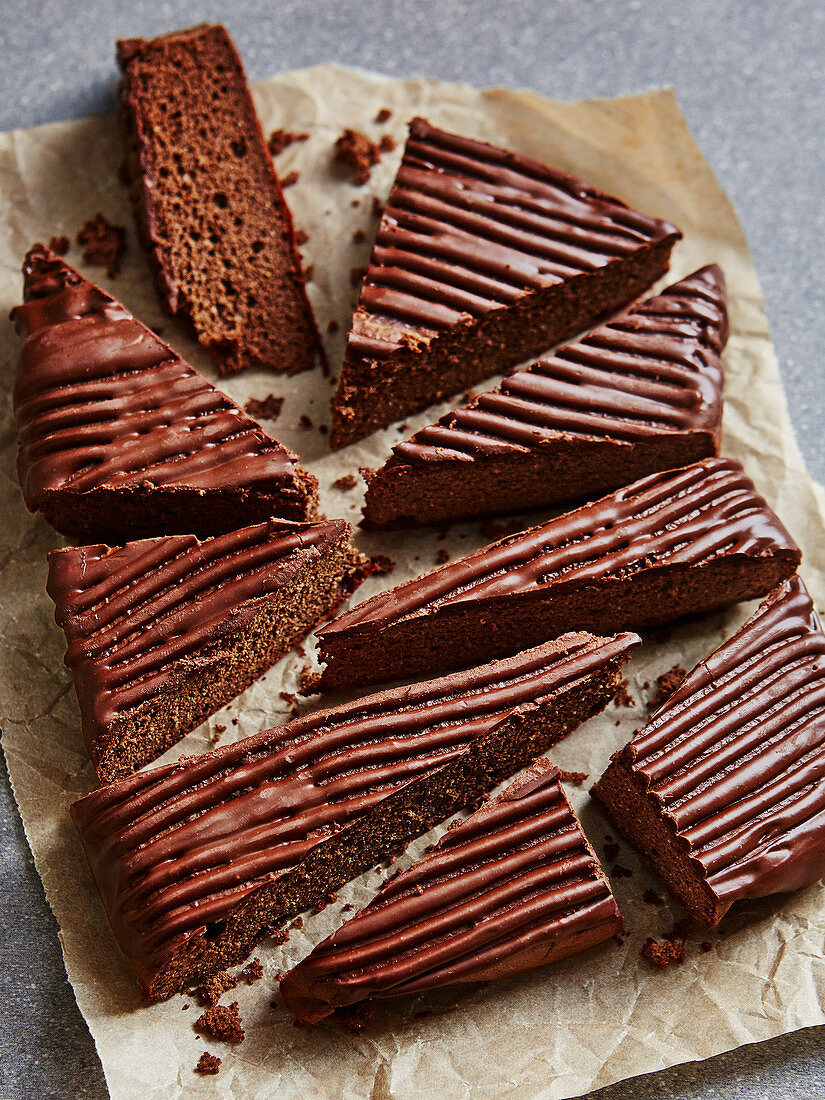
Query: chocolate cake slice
pixel 197 861
pixel 163 632
pixel 120 438
pixel 639 394
pixel 513 887
pixel 482 259
pixel 208 202
pixel 675 543
pixel 723 792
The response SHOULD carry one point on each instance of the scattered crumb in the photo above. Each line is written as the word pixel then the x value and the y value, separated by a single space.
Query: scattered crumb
pixel 328 899
pixel 623 698
pixel 382 565
pixel 386 144
pixel 611 850
pixel 216 734
pixel 298 922
pixel 442 557
pixel 279 935
pixel 357 152
pixel 377 207
pixel 663 954
pixel 646 685
pixel 309 273
pixel 617 871
pixel 705 946
pixel 332 327
pixel 347 908
pixel 358 236
pixel 356 1018
pixel 304 422
pixel 288 697
pixel 221 1022
pixel 208 1063
pixel 220 729
pixel 356 275
pixel 384 115
pixel 323 429
pixel 495 531
pixel 355 202
pixel 214 988
pixel 60 245
pixel 345 483
pixel 268 407
pixel 103 244
pixel 652 898
pixel 183 1008
pixel 290 179
pixel 252 972
pixel 666 684
pixel 234 721
pixel 576 778
pixel 282 139
pixel 301 237
pixel 308 681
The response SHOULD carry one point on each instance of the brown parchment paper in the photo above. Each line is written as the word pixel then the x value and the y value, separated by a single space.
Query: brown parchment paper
pixel 557 1032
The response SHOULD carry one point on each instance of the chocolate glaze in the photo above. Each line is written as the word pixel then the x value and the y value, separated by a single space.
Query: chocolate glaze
pixel 179 846
pixel 516 875
pixel 139 616
pixel 469 228
pixel 653 369
pixel 102 403
pixel 682 517
pixel 735 759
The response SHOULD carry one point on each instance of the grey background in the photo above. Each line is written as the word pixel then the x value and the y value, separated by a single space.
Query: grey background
pixel 748 76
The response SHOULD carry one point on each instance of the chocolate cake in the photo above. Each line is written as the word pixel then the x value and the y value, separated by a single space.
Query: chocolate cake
pixel 723 792
pixel 639 394
pixel 675 543
pixel 120 438
pixel 513 887
pixel 197 861
pixel 208 203
pixel 482 258
pixel 163 632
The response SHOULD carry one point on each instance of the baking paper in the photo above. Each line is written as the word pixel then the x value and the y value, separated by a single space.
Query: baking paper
pixel 556 1032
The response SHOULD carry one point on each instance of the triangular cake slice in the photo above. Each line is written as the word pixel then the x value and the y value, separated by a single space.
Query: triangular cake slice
pixel 120 438
pixel 163 632
pixel 197 861
pixel 513 887
pixel 639 394
pixel 482 259
pixel 681 542
pixel 208 203
pixel 723 792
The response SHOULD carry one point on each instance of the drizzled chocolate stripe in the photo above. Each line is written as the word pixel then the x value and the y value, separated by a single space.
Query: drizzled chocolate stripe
pixel 688 517
pixel 653 369
pixel 101 402
pixel 469 228
pixel 516 875
pixel 180 845
pixel 736 757
pixel 133 614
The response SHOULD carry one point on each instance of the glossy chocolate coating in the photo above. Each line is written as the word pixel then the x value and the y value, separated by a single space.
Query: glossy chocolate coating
pixel 175 847
pixel 653 369
pixel 735 759
pixel 514 882
pixel 101 402
pixel 139 616
pixel 684 517
pixel 469 228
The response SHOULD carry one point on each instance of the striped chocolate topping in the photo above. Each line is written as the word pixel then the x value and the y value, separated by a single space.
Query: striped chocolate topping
pixel 175 847
pixel 688 516
pixel 134 615
pixel 516 875
pixel 102 402
pixel 735 758
pixel 469 228
pixel 653 369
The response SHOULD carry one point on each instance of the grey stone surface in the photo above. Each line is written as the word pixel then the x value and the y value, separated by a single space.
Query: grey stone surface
pixel 749 78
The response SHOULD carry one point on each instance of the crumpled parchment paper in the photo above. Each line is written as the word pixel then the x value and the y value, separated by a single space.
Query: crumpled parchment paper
pixel 557 1032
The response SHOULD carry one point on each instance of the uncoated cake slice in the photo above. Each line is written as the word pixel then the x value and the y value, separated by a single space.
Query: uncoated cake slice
pixel 208 202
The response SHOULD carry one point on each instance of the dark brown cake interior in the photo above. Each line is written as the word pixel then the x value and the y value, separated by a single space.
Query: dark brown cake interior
pixel 208 202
